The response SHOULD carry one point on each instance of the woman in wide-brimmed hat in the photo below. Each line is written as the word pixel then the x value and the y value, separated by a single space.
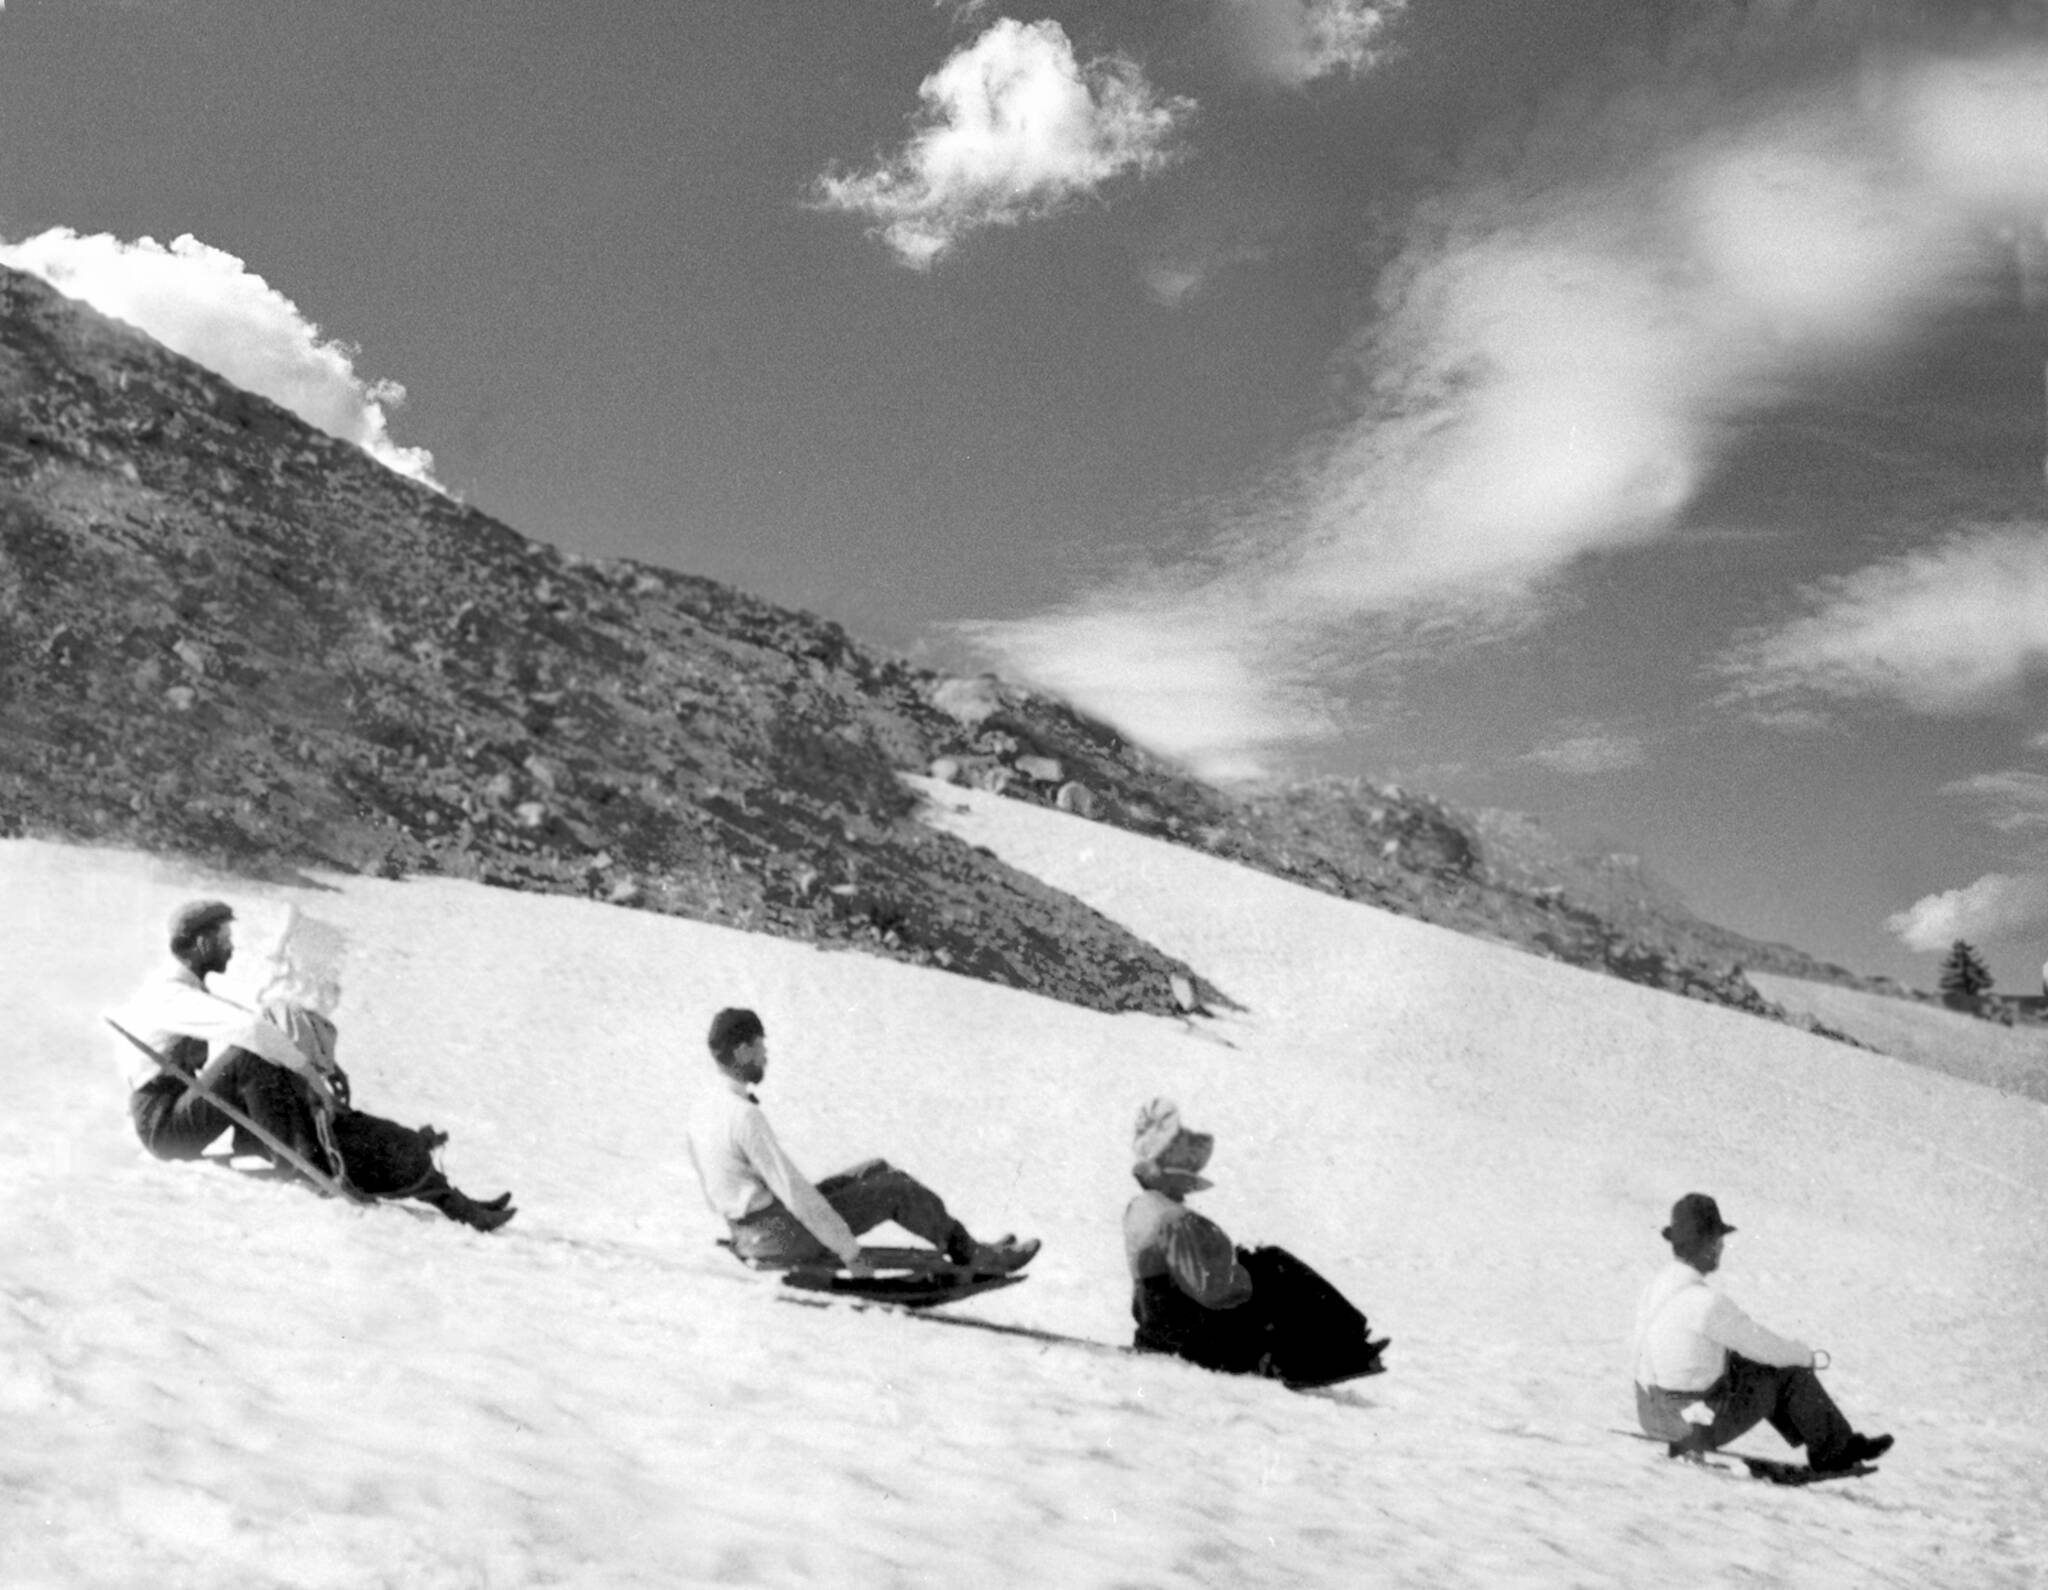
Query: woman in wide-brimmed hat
pixel 1197 1295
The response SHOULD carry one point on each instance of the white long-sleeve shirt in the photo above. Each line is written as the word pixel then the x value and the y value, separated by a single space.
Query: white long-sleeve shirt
pixel 743 1169
pixel 1685 1330
pixel 175 1003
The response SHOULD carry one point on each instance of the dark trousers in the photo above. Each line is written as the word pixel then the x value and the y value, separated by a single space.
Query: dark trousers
pixel 864 1197
pixel 1295 1326
pixel 174 1122
pixel 1748 1393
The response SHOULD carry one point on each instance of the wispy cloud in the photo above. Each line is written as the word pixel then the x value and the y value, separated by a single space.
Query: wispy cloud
pixel 1576 330
pixel 1577 326
pixel 1998 908
pixel 2014 800
pixel 1590 752
pixel 1958 627
pixel 1014 128
pixel 1299 41
pixel 1176 280
pixel 1191 678
pixel 1174 283
pixel 209 306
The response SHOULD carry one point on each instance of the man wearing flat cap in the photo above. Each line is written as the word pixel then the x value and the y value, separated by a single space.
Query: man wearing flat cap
pixel 777 1216
pixel 253 1064
pixel 1705 1371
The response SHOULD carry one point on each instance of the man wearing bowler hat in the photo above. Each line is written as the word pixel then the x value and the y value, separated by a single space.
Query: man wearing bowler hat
pixel 1705 1371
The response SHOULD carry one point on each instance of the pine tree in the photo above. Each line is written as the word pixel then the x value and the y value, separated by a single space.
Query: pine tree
pixel 1964 976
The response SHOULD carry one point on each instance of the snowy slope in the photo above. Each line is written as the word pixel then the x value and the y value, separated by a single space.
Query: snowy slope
pixel 205 1380
pixel 2011 1059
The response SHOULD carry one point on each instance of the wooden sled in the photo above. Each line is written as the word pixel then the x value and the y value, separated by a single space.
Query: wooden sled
pixel 1776 1471
pixel 904 1278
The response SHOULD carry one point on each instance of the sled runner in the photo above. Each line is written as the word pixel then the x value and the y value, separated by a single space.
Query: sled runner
pixel 904 1278
pixel 1344 1376
pixel 1773 1471
pixel 1778 1472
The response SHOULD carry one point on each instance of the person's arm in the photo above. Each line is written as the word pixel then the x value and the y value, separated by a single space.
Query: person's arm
pixel 1731 1328
pixel 1203 1262
pixel 195 1013
pixel 793 1189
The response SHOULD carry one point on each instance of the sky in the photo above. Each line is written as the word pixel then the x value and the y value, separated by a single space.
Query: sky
pixel 1627 412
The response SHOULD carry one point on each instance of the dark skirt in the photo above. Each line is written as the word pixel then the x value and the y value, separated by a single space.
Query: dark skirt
pixel 384 1159
pixel 1295 1326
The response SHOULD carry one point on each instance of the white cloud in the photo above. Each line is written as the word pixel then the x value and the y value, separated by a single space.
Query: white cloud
pixel 1818 243
pixel 1579 323
pixel 1590 753
pixel 1978 125
pixel 1959 627
pixel 1998 908
pixel 1191 682
pixel 1298 41
pixel 209 306
pixel 1014 128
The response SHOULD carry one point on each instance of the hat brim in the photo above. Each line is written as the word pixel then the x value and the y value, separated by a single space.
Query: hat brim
pixel 1165 1178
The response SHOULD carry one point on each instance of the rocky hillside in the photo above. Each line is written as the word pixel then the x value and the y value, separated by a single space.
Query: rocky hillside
pixel 224 633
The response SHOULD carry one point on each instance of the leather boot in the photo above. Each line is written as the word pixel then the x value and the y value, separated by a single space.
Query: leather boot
pixel 961 1247
pixel 1001 1258
pixel 459 1206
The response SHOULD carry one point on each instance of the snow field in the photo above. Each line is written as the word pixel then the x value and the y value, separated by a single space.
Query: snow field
pixel 207 1379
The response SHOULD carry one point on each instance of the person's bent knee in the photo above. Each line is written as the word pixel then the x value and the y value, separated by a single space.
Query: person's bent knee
pixel 159 1130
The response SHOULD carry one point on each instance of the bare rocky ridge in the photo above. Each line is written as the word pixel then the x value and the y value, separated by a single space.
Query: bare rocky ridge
pixel 224 633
